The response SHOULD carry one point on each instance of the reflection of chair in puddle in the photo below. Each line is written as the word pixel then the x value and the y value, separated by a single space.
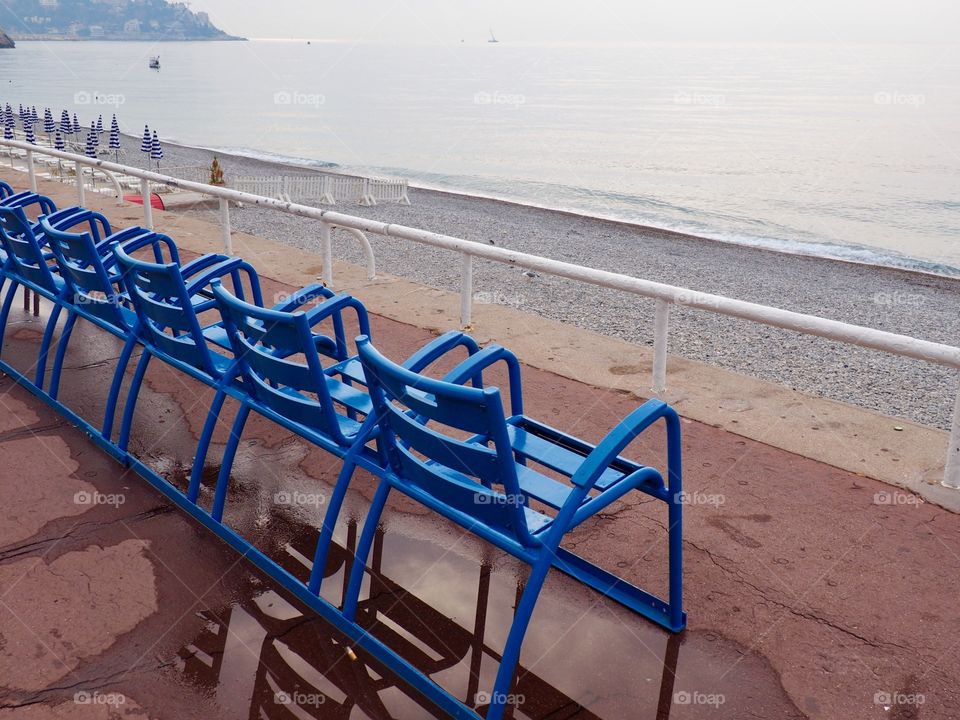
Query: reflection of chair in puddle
pixel 424 636
pixel 297 543
pixel 433 642
pixel 304 663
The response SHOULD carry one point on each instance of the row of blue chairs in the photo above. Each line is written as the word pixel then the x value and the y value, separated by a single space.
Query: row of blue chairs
pixel 447 442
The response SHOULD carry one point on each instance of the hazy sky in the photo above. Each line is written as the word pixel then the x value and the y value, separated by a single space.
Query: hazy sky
pixel 432 21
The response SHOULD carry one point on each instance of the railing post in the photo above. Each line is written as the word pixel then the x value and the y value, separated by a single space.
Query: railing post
pixel 78 169
pixel 32 170
pixel 951 476
pixel 661 329
pixel 326 249
pixel 466 290
pixel 225 226
pixel 147 207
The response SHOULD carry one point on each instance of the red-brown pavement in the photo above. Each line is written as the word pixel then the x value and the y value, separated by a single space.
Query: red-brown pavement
pixel 811 591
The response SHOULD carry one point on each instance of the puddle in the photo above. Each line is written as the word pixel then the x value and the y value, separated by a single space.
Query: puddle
pixel 448 613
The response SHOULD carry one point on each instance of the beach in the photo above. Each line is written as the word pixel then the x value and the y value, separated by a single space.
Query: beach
pixel 916 304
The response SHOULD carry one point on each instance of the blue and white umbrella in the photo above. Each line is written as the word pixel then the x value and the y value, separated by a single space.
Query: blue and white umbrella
pixel 77 127
pixel 8 130
pixel 146 143
pixel 31 137
pixel 48 124
pixel 33 114
pixel 92 141
pixel 156 152
pixel 115 138
pixel 100 124
pixel 58 143
pixel 66 127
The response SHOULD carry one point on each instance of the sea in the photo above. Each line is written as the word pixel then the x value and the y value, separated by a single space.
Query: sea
pixel 846 151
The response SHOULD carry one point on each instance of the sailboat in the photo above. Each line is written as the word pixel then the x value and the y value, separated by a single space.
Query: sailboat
pixel 492 38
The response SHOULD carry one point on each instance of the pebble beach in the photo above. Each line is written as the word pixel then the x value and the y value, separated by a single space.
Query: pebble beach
pixel 916 304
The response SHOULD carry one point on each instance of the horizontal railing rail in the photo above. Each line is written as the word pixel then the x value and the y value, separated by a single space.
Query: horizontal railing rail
pixel 664 295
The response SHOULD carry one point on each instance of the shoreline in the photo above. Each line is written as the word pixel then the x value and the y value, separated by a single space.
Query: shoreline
pixel 898 300
pixel 923 267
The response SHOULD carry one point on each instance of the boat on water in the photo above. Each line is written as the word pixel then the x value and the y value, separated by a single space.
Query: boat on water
pixel 492 37
pixel 155 62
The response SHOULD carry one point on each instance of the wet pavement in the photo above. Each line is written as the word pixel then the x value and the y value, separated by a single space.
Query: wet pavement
pixel 811 592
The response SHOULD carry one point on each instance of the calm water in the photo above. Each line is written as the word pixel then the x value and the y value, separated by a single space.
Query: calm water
pixel 842 150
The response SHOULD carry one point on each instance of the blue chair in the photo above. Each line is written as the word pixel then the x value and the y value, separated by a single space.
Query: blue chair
pixel 29 264
pixel 168 301
pixel 486 483
pixel 26 198
pixel 319 401
pixel 94 291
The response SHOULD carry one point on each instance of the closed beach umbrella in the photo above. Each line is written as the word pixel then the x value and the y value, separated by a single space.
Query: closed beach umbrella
pixel 33 114
pixel 66 126
pixel 48 124
pixel 58 143
pixel 31 137
pixel 156 152
pixel 146 143
pixel 91 149
pixel 77 127
pixel 115 138
pixel 100 124
pixel 8 131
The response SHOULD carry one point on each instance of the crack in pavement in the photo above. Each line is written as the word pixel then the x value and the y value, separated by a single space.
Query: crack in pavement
pixel 793 611
pixel 89 526
pixel 86 684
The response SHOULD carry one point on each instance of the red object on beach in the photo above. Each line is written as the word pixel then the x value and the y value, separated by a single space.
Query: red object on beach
pixel 156 202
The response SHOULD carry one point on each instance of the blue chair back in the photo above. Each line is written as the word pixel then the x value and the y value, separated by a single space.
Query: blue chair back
pixel 24 249
pixel 420 418
pixel 5 190
pixel 263 342
pixel 167 318
pixel 87 272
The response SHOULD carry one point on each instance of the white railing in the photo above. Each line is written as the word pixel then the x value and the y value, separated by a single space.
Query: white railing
pixel 325 187
pixel 665 295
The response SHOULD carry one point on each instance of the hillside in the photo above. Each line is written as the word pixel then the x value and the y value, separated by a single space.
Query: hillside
pixel 106 20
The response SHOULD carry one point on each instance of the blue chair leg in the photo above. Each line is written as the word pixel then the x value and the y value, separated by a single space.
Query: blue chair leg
pixel 5 311
pixel 61 354
pixel 206 436
pixel 336 502
pixel 45 344
pixel 114 395
pixel 511 649
pixel 352 596
pixel 132 396
pixel 226 466
pixel 674 517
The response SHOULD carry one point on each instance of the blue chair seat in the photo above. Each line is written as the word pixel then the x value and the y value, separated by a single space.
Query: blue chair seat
pixel 350 369
pixel 545 445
